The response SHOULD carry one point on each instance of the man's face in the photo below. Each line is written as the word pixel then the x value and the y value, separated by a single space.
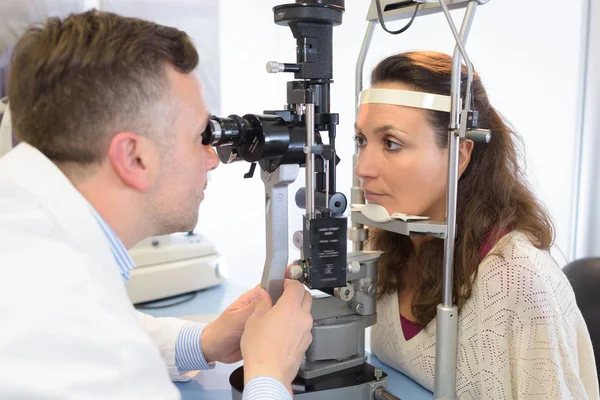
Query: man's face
pixel 185 161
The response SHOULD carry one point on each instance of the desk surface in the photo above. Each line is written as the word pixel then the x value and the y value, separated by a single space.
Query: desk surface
pixel 214 384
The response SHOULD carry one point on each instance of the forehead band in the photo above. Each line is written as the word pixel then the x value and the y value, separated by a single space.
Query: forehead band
pixel 406 98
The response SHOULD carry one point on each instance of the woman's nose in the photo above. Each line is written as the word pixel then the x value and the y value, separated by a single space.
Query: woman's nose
pixel 366 164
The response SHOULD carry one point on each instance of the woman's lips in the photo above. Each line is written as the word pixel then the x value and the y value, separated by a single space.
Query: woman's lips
pixel 372 196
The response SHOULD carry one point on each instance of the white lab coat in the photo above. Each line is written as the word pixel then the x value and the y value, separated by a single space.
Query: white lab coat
pixel 67 327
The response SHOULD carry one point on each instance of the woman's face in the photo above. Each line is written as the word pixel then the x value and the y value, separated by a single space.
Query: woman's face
pixel 400 165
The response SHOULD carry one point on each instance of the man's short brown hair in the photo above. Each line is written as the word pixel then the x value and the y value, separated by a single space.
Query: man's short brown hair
pixel 76 82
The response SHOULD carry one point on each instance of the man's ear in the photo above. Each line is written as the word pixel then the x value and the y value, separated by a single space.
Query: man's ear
pixel 133 157
pixel 464 155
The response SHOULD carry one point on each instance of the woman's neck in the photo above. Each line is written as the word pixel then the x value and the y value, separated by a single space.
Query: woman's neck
pixel 417 241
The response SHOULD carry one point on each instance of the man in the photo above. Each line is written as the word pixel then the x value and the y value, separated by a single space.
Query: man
pixel 110 116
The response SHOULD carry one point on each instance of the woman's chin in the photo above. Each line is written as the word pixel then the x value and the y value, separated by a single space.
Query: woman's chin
pixel 391 209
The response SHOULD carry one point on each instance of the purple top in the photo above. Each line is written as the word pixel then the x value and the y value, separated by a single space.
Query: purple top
pixel 409 328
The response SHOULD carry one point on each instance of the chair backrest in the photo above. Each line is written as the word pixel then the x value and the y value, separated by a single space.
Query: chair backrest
pixel 584 275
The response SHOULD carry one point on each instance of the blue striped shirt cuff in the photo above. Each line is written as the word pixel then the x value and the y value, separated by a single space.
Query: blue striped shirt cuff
pixel 265 388
pixel 188 351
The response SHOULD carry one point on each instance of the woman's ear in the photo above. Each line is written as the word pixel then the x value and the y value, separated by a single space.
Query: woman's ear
pixel 464 154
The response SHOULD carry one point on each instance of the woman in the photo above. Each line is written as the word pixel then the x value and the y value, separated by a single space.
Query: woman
pixel 521 334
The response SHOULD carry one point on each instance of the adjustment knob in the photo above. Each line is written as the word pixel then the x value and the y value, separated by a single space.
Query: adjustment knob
pixel 297 240
pixel 344 293
pixel 296 272
pixel 274 67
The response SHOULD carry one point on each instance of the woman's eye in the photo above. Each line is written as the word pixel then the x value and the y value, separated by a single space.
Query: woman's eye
pixel 360 141
pixel 391 145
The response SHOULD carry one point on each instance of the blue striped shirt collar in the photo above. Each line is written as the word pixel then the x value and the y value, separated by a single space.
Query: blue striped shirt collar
pixel 120 254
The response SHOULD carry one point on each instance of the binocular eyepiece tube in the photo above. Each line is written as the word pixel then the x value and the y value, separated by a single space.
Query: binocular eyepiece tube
pixel 268 139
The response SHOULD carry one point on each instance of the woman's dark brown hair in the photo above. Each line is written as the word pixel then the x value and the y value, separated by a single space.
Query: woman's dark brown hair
pixel 493 196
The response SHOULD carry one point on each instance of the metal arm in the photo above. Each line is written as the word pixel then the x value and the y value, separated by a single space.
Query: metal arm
pixel 276 202
pixel 310 160
pixel 447 312
pixel 394 10
pixel 358 234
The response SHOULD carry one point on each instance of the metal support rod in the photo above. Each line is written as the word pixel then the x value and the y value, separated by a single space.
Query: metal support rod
pixel 356 194
pixel 382 394
pixel 332 172
pixel 360 63
pixel 448 280
pixel 447 312
pixel 326 205
pixel 446 336
pixel 456 61
pixel 310 160
pixel 453 155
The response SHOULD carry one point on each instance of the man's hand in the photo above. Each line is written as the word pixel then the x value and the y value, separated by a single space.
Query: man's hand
pixel 221 338
pixel 276 337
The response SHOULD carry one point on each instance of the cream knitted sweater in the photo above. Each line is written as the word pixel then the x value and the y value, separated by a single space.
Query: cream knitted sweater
pixel 521 335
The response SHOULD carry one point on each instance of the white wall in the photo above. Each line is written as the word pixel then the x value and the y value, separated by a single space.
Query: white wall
pixel 197 18
pixel 588 221
pixel 528 56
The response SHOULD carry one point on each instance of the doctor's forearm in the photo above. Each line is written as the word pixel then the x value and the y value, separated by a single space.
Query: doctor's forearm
pixel 265 388
pixel 189 355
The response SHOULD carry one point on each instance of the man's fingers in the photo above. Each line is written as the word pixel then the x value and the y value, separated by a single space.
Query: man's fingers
pixel 253 294
pixel 262 306
pixel 260 296
pixel 255 300
pixel 307 301
pixel 306 341
pixel 293 293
